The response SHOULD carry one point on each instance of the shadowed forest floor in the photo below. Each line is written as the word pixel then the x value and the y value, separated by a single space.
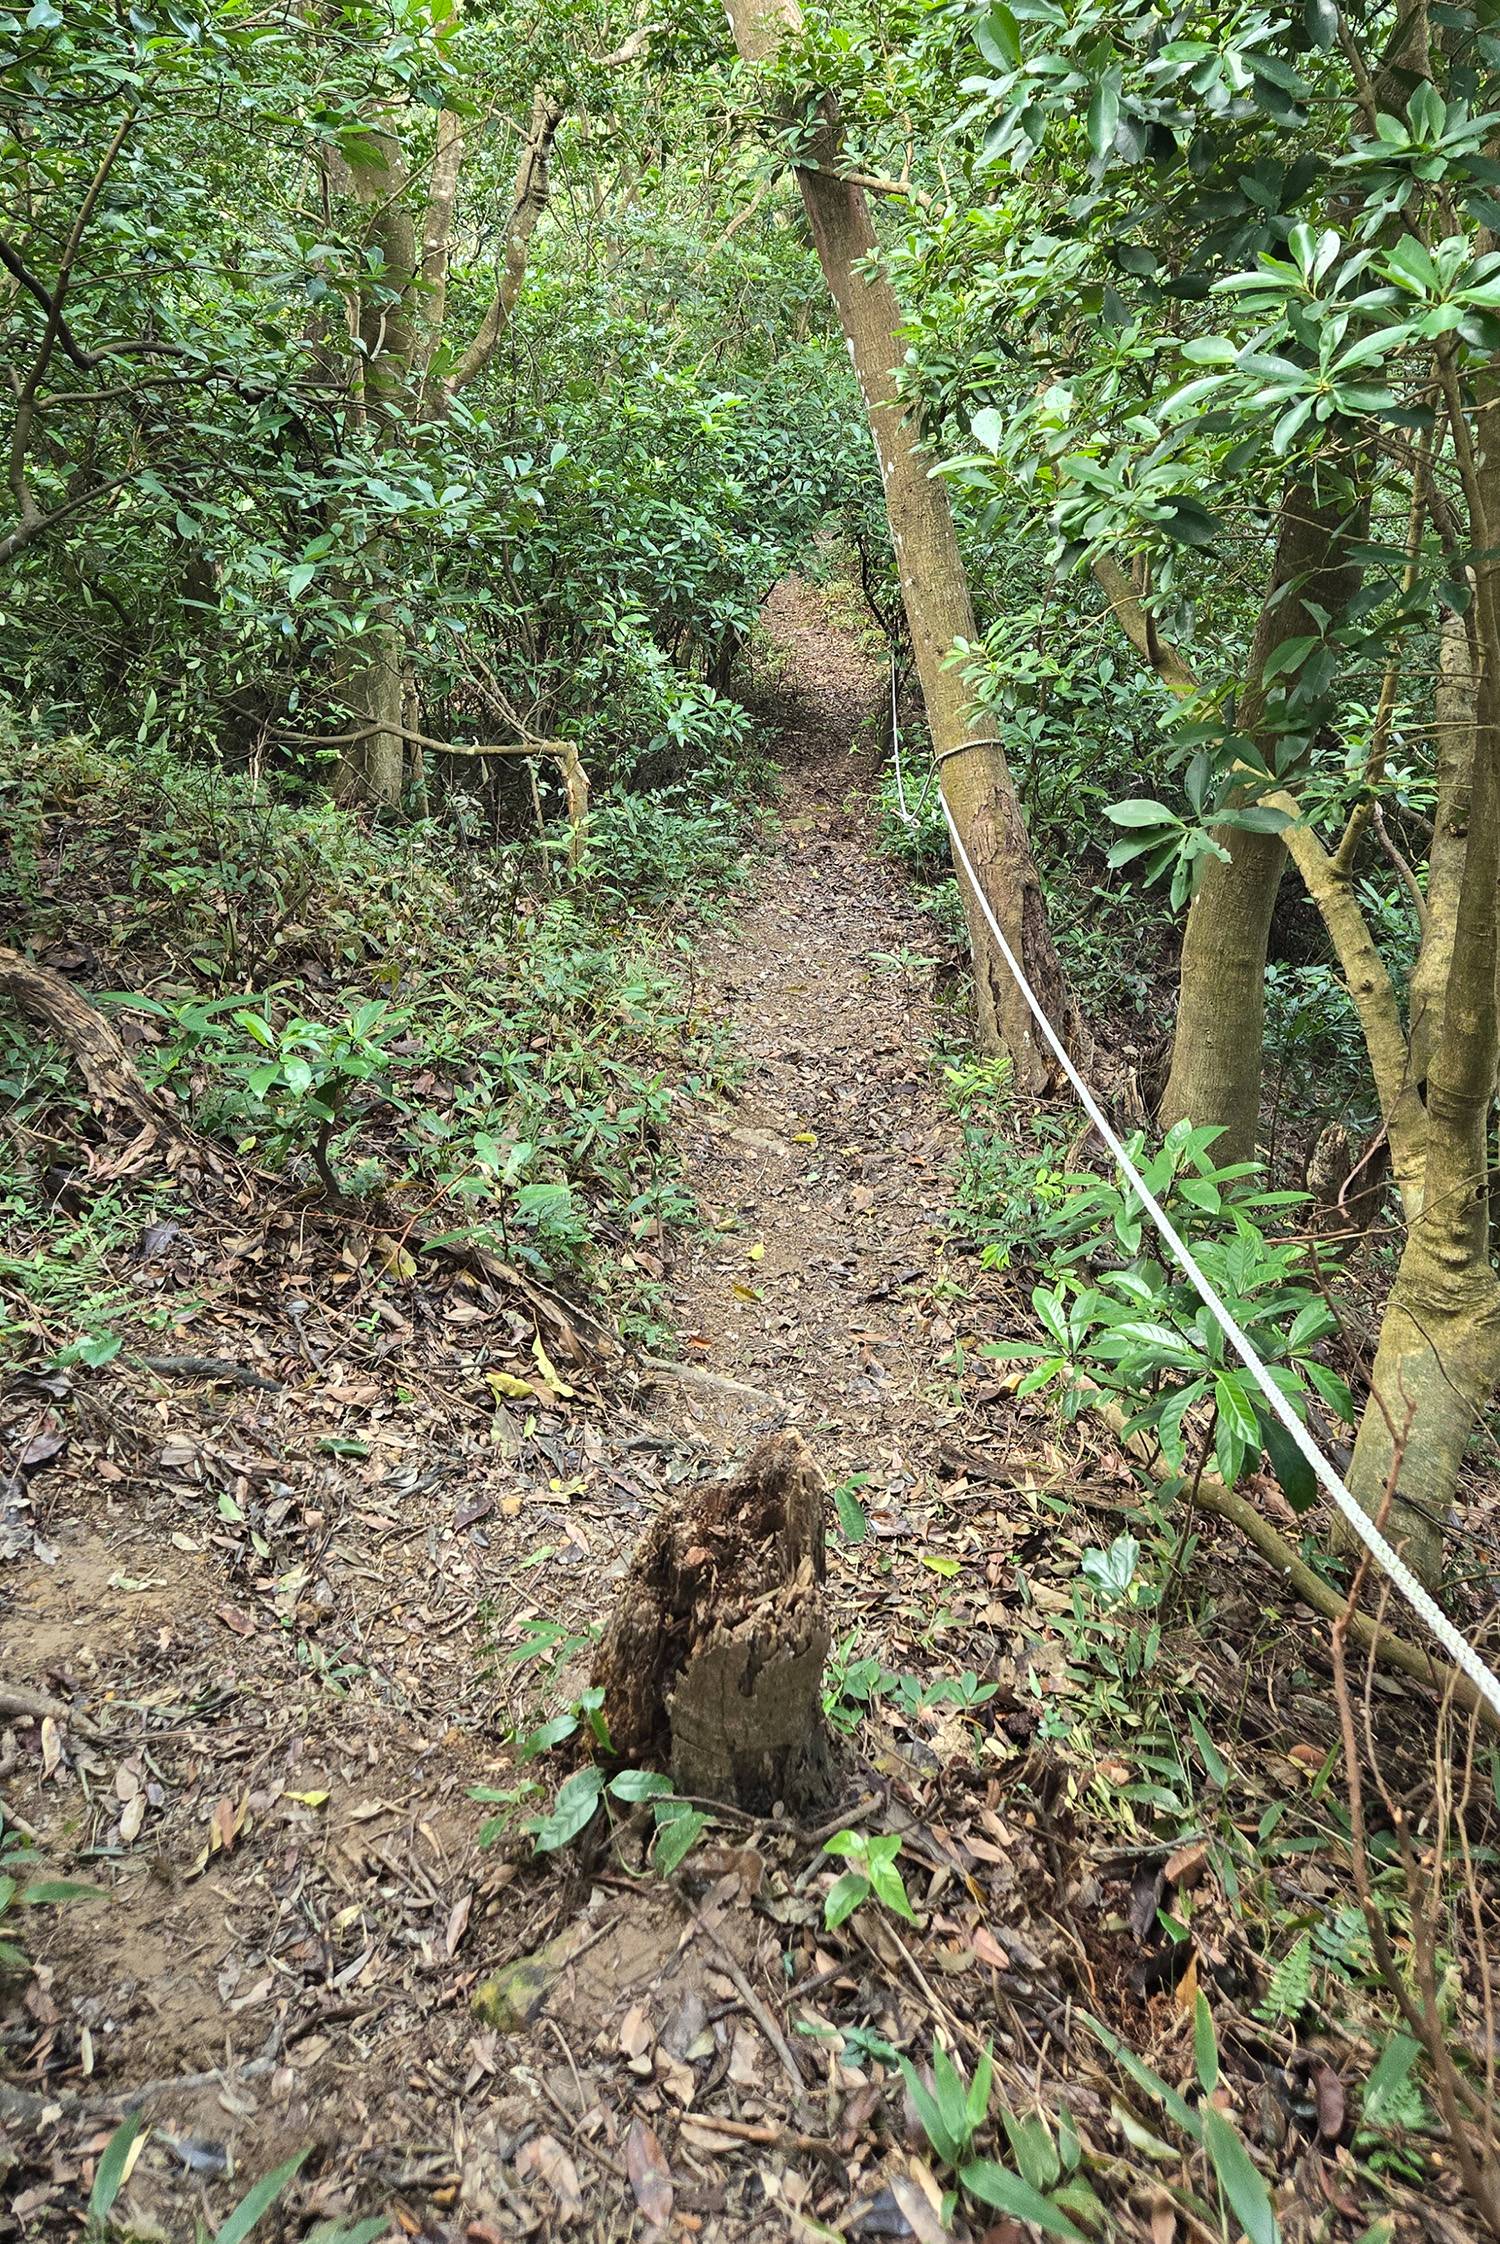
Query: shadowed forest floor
pixel 277 1606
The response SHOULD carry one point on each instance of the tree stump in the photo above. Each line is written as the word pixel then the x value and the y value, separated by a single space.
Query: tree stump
pixel 712 1664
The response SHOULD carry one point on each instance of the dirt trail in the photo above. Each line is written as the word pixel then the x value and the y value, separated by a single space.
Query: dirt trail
pixel 291 1608
pixel 826 1182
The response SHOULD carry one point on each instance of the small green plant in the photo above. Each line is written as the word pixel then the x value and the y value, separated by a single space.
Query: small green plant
pixel 1241 2185
pixel 872 1875
pixel 1141 1333
pixel 117 2162
pixel 1046 2187
pixel 679 1825
pixel 19 1890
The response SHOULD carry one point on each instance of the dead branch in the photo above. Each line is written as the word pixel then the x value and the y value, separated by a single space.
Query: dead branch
pixel 106 1067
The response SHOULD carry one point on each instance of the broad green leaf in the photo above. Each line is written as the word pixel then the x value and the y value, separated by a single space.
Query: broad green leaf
pixel 676 1838
pixel 1240 2180
pixel 995 2185
pixel 571 1812
pixel 639 1784
pixel 845 1895
pixel 256 2203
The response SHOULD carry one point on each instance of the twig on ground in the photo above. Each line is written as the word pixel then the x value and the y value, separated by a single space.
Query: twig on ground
pixel 694 1375
pixel 757 2009
pixel 36 1706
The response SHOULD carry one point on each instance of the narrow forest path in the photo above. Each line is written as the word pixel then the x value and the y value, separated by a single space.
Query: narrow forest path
pixel 825 1182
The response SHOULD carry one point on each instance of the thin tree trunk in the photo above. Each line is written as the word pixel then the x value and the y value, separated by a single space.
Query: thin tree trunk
pixel 370 664
pixel 1439 1356
pixel 974 776
pixel 532 190
pixel 1217 1049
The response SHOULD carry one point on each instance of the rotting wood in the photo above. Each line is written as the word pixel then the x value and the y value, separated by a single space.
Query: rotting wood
pixel 712 1663
pixel 107 1069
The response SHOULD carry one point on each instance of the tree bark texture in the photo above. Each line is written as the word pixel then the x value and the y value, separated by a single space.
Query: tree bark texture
pixel 1217 1049
pixel 973 772
pixel 712 1663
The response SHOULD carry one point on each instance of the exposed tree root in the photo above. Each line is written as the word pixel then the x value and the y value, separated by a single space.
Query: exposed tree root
pixel 106 1067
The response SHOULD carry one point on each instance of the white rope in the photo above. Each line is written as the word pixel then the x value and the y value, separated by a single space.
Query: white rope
pixel 1390 1562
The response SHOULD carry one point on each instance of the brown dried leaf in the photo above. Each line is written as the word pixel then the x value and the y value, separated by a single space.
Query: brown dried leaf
pixel 1332 2103
pixel 650 2176
pixel 545 2159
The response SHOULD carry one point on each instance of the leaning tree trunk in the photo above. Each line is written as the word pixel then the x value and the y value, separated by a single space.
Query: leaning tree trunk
pixel 712 1664
pixel 973 773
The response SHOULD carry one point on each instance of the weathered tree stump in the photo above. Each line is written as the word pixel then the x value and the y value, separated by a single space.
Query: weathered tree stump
pixel 712 1665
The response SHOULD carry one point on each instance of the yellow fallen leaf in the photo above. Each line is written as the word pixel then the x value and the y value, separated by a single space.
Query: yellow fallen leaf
pixel 506 1383
pixel 805 1137
pixel 746 1293
pixel 310 1799
pixel 757 1252
pixel 549 1372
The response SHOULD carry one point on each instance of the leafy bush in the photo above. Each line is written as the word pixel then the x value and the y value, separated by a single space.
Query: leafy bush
pixel 1138 1330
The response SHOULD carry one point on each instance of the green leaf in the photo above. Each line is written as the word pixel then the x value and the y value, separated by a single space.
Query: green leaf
pixel 45 1893
pixel 1141 811
pixel 676 1836
pixel 109 2174
pixel 1104 114
pixel 1236 1408
pixel 1205 2045
pixel 1213 1760
pixel 989 427
pixel 1032 2148
pixel 1295 1477
pixel 1321 18
pixel 853 1525
pixel 257 2202
pixel 994 2185
pixel 997 35
pixel 572 1810
pixel 930 2112
pixel 640 1784
pixel 546 1735
pixel 1240 2180
pixel 844 1896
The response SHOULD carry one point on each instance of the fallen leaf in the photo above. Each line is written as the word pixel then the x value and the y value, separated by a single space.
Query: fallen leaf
pixel 922 2216
pixel 1332 2104
pixel 506 1383
pixel 309 1799
pixel 549 1372
pixel 545 2158
pixel 52 1747
pixel 233 1618
pixel 132 1816
pixel 758 1251
pixel 650 2176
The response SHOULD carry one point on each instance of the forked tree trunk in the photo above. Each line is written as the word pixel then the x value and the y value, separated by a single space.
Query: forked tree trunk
pixel 973 773
pixel 1438 1361
pixel 712 1664
pixel 1221 1005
